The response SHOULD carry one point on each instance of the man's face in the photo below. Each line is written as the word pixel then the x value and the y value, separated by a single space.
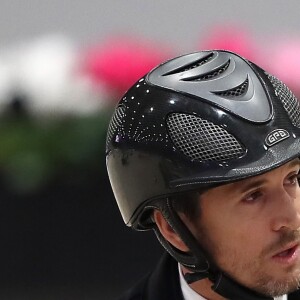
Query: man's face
pixel 251 228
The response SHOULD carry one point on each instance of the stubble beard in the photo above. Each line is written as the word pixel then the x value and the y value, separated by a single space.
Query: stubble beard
pixel 261 281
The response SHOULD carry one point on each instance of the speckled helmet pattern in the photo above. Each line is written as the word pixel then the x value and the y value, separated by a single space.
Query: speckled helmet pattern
pixel 200 119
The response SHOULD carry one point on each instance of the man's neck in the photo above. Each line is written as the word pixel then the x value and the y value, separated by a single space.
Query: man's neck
pixel 203 288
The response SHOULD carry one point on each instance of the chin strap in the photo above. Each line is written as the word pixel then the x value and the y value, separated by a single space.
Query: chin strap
pixel 227 287
pixel 193 277
pixel 197 262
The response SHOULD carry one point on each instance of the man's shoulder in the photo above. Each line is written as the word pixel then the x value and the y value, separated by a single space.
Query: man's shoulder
pixel 138 290
pixel 134 293
pixel 161 284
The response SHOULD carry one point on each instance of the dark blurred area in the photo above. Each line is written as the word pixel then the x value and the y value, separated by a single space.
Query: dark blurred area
pixel 61 233
pixel 68 241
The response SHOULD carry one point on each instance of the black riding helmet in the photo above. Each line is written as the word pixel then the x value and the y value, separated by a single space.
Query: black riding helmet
pixel 194 122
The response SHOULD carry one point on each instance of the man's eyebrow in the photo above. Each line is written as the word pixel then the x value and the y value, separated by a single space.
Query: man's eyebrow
pixel 250 184
pixel 295 162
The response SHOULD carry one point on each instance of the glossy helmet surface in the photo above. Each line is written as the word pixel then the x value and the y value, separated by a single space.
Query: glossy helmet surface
pixel 197 120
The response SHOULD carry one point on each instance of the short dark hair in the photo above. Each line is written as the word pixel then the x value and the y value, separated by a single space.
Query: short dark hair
pixel 187 203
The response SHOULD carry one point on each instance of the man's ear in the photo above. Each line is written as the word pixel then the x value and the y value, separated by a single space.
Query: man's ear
pixel 167 231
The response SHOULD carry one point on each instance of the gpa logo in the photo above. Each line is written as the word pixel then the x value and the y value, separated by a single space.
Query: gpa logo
pixel 276 136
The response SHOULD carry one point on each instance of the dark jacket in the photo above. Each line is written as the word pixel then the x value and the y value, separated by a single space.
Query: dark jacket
pixel 163 284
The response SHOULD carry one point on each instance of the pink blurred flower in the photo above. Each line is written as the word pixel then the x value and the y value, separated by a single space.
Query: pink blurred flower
pixel 120 62
pixel 285 62
pixel 231 38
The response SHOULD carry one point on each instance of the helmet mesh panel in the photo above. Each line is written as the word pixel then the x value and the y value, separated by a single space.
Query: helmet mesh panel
pixel 202 140
pixel 210 75
pixel 115 123
pixel 238 91
pixel 290 103
pixel 193 65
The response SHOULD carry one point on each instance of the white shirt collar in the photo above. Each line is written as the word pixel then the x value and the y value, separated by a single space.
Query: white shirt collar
pixel 189 294
pixel 284 297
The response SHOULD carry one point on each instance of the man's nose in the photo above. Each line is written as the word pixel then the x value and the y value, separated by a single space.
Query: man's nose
pixel 286 213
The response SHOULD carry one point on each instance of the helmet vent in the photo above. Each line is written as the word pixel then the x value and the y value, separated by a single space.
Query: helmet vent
pixel 210 75
pixel 290 103
pixel 202 140
pixel 235 92
pixel 192 65
pixel 115 123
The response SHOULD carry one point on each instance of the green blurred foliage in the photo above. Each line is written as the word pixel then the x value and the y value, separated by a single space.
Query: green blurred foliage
pixel 34 153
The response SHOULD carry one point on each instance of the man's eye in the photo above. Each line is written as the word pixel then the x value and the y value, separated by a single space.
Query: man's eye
pixel 294 179
pixel 252 197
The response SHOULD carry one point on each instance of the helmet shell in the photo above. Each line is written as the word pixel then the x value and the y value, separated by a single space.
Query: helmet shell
pixel 195 121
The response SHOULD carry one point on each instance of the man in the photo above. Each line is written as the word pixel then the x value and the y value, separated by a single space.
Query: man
pixel 204 150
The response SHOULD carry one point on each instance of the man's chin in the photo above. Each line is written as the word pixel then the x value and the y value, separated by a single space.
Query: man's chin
pixel 274 285
pixel 276 288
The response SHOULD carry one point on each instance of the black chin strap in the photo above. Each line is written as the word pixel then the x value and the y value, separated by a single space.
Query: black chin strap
pixel 227 287
pixel 193 277
pixel 197 262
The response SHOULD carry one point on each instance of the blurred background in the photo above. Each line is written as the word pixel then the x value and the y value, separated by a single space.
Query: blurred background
pixel 63 67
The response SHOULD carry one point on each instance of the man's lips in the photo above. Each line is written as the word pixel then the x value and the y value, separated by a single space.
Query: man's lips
pixel 287 254
pixel 287 251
